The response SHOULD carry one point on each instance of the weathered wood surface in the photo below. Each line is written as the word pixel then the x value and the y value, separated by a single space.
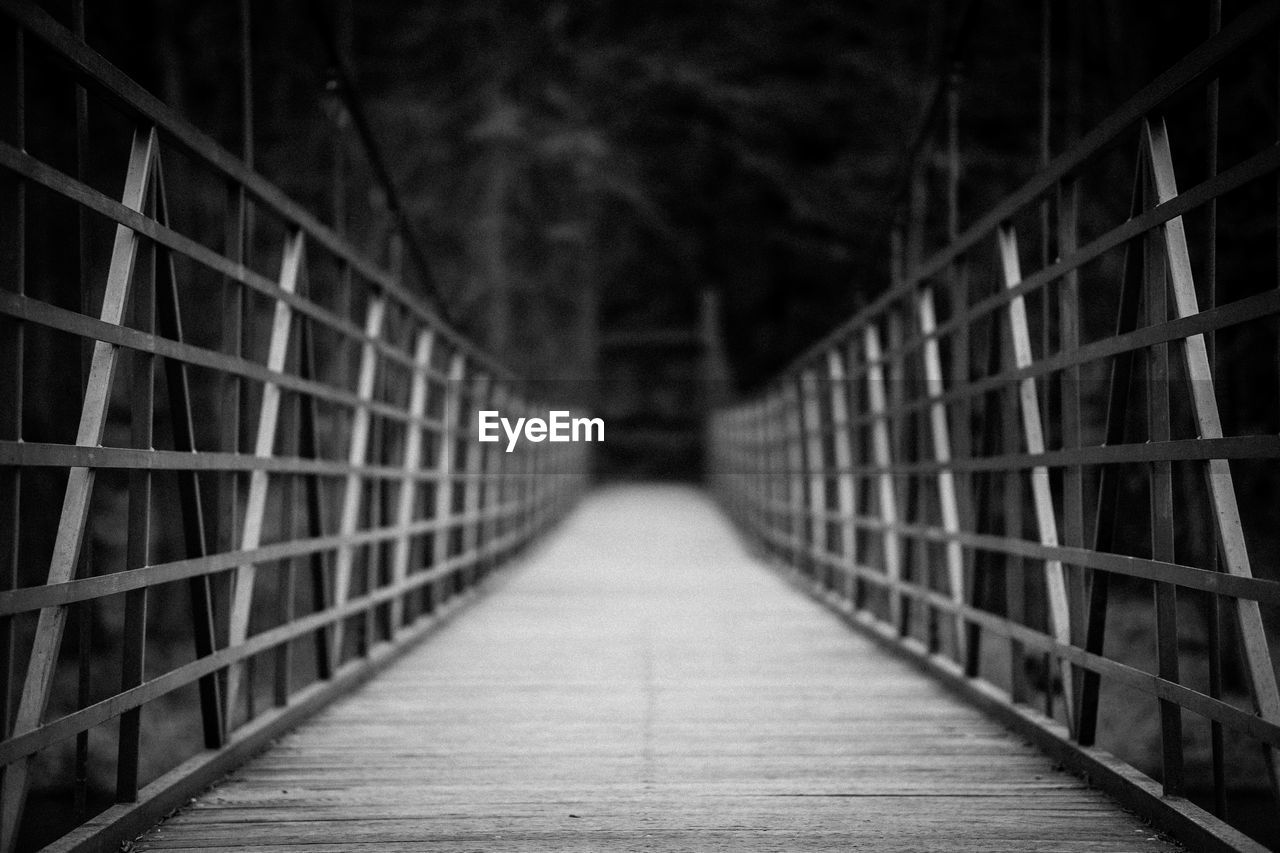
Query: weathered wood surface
pixel 645 684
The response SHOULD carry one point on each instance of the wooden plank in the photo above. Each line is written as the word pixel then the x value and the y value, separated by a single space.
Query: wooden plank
pixel 1068 203
pixel 1033 434
pixel 203 621
pixel 940 431
pixel 1231 540
pixel 1106 507
pixel 264 445
pixel 497 476
pixel 883 458
pixel 669 695
pixel 777 466
pixel 761 431
pixel 75 505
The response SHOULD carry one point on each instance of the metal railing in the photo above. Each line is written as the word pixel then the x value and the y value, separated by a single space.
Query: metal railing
pixel 983 473
pixel 358 511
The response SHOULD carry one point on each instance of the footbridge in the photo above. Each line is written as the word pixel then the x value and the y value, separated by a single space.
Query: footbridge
pixel 992 566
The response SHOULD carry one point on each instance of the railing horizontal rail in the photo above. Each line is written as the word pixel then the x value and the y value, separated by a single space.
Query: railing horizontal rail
pixel 86 718
pixel 69 188
pixel 1129 676
pixel 1173 450
pixel 26 599
pixel 1253 589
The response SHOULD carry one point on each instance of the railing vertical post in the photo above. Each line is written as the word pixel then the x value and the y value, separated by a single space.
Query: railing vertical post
pixel 519 488
pixel 846 492
pixel 408 496
pixel 498 470
pixel 264 446
pixel 532 482
pixel 309 448
pixel 537 484
pixel 1231 540
pixel 509 493
pixel 376 515
pixel 958 287
pixel 1033 434
pixel 897 422
pixel 1015 578
pixel 941 432
pixel 235 310
pixel 769 471
pixel 747 470
pixel 888 496
pixel 447 473
pixel 138 533
pixel 762 484
pixel 815 465
pixel 988 486
pixel 541 486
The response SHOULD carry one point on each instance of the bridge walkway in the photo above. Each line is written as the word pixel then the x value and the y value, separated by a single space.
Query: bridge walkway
pixel 641 683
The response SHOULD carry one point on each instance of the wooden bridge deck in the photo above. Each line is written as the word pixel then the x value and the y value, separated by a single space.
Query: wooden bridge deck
pixel 643 683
